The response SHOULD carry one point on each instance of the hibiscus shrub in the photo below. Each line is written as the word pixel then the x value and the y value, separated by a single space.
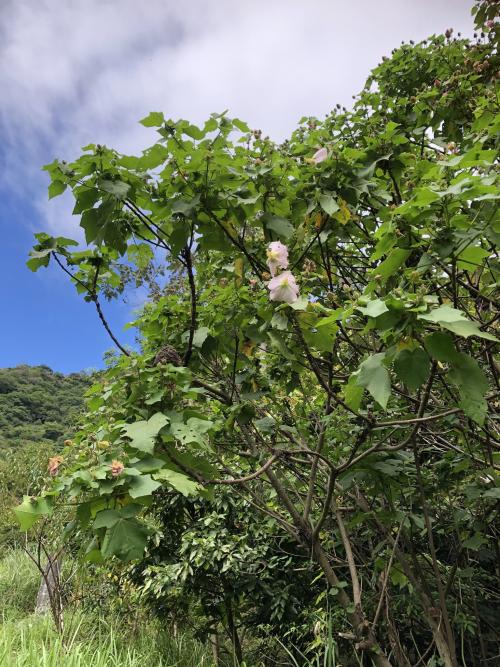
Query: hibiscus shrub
pixel 332 307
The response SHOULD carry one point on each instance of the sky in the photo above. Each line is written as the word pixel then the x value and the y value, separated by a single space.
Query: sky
pixel 86 71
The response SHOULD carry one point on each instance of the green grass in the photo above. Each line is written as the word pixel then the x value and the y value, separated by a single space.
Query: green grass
pixel 19 581
pixel 30 640
pixel 33 642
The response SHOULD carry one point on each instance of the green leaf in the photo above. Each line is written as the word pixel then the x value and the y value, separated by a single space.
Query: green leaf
pixel 180 482
pixel 200 336
pixel 475 542
pixel 141 486
pixel 151 158
pixel 117 188
pixel 412 367
pixel 374 308
pixel 107 518
pixel 185 207
pixel 56 188
pixel 472 385
pixel 30 510
pixel 148 464
pixel 280 226
pixel 35 263
pixel 301 303
pixel 472 258
pixel 241 125
pixel 141 254
pixel 192 431
pixel 126 539
pixel 154 119
pixel 266 424
pixel 374 377
pixel 328 204
pixel 353 393
pixel 440 346
pixel 443 314
pixel 86 199
pixel 279 321
pixel 454 320
pixel 143 433
pixel 101 226
pixel 493 493
pixel 466 328
pixel 278 342
pixel 394 261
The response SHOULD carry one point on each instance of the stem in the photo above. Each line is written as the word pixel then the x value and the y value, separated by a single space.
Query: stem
pixel 192 289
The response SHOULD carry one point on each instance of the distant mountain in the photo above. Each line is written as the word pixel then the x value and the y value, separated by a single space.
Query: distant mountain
pixel 38 405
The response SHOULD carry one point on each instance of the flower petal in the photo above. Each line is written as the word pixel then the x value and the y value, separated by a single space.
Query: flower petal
pixel 320 155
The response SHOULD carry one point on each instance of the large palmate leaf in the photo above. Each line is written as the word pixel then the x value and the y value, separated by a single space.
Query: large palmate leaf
pixel 30 510
pixel 374 377
pixel 143 433
pixel 179 482
pixel 142 485
pixel 454 320
pixel 472 385
pixel 125 536
pixel 412 367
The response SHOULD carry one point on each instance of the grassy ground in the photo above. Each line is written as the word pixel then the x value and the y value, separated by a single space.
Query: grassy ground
pixel 29 640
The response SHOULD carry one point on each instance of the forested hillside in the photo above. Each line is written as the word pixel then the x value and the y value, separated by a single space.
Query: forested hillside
pixel 38 410
pixel 37 404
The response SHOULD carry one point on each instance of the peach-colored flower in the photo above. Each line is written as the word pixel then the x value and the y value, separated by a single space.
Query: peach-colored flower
pixel 277 256
pixel 116 468
pixel 320 156
pixel 283 288
pixel 54 463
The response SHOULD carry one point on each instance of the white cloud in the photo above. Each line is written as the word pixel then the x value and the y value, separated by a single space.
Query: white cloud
pixel 88 70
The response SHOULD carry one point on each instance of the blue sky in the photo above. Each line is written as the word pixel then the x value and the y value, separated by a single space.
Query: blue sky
pixel 87 70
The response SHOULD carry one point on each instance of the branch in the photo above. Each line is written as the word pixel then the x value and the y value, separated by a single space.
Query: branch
pixel 192 289
pixel 247 478
pixel 386 577
pixel 93 295
pixel 315 463
pixel 356 589
pixel 416 420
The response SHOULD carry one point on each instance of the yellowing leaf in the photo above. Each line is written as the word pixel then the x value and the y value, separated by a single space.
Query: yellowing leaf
pixel 344 214
pixel 247 348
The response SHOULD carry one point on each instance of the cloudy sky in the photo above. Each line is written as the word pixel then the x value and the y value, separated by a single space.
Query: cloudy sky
pixel 83 71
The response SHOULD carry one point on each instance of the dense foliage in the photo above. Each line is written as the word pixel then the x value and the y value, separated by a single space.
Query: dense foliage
pixel 320 371
pixel 37 404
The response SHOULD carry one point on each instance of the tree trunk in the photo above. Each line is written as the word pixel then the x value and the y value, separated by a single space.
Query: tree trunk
pixel 214 640
pixel 233 632
pixel 366 638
